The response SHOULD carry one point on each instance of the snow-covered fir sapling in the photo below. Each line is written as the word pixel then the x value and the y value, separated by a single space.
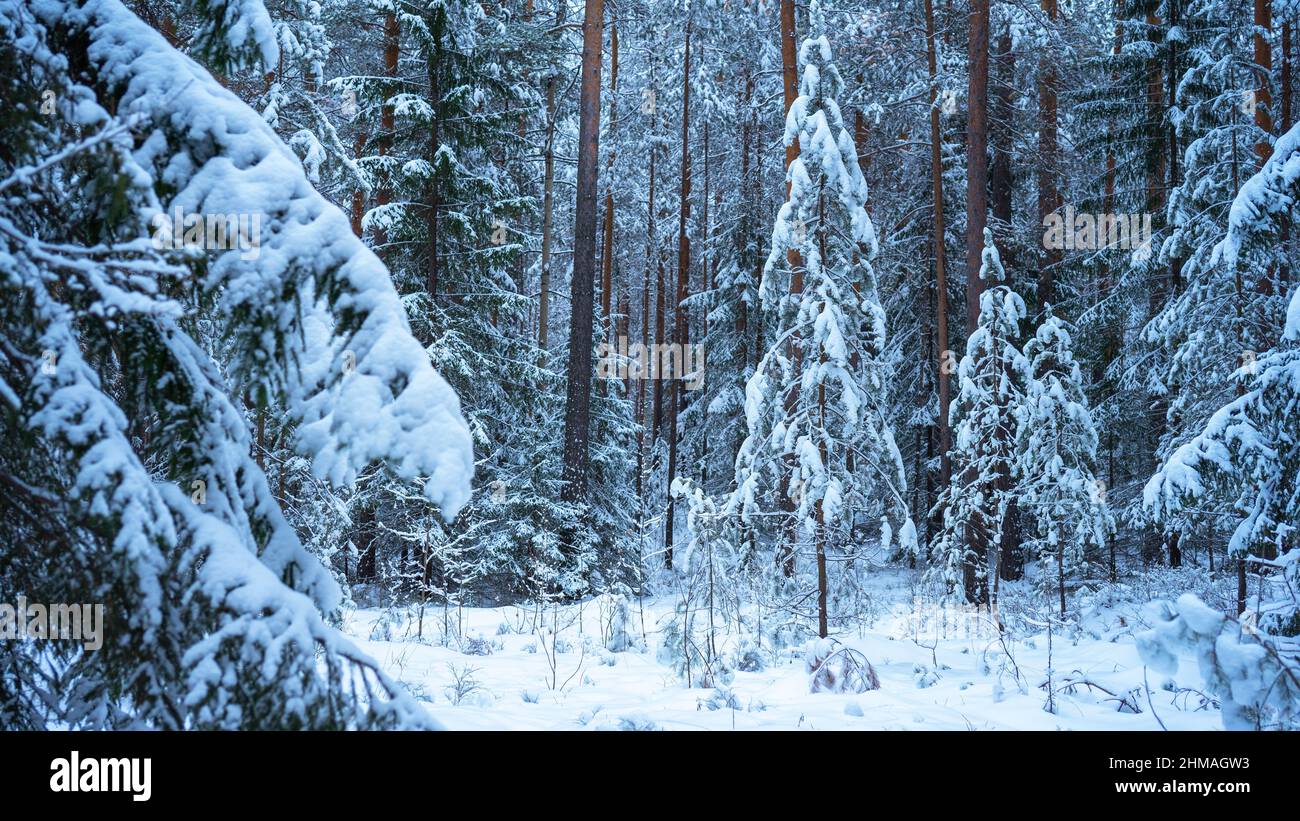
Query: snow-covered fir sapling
pixel 708 567
pixel 820 450
pixel 991 383
pixel 1056 463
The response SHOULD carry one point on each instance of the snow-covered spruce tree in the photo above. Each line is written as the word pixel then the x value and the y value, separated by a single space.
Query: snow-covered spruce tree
pixel 1217 318
pixel 991 382
pixel 819 450
pixel 125 455
pixel 1056 462
pixel 1249 449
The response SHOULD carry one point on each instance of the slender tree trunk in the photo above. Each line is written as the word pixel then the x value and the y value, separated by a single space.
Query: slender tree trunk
pixel 358 193
pixel 548 201
pixel 1049 195
pixel 1157 282
pixel 977 178
pixel 977 162
pixel 790 88
pixel 1001 132
pixel 607 245
pixel 1287 120
pixel 943 351
pixel 681 330
pixel 431 213
pixel 1264 63
pixel 1001 136
pixel 387 120
pixel 577 406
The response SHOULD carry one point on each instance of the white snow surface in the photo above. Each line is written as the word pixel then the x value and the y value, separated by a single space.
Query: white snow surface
pixel 971 687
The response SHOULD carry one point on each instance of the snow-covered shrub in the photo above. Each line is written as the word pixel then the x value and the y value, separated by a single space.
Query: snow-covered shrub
pixel 748 657
pixel 477 647
pixel 620 624
pixel 924 676
pixel 834 668
pixel 684 648
pixel 1255 676
pixel 722 698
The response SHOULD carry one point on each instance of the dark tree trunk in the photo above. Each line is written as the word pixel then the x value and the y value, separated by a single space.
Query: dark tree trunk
pixel 943 352
pixel 977 536
pixel 577 405
pixel 681 330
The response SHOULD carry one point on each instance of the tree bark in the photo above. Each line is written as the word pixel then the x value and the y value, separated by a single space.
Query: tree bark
pixel 607 245
pixel 577 405
pixel 548 201
pixel 790 88
pixel 942 346
pixel 1049 195
pixel 1264 63
pixel 977 537
pixel 387 123
pixel 681 317
pixel 977 163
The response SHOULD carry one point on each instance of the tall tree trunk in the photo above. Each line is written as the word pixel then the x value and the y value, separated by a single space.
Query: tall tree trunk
pixel 431 212
pixel 1157 280
pixel 607 245
pixel 681 330
pixel 387 122
pixel 358 193
pixel 1264 64
pixel 1001 137
pixel 790 88
pixel 548 201
pixel 977 161
pixel 977 177
pixel 1049 195
pixel 1001 133
pixel 942 346
pixel 577 405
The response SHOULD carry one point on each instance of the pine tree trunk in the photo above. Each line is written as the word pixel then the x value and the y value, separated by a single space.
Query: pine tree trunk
pixel 1264 62
pixel 548 215
pixel 431 213
pixel 548 201
pixel 607 245
pixel 387 123
pixel 681 329
pixel 577 405
pixel 977 535
pixel 1155 195
pixel 1049 195
pixel 358 193
pixel 977 164
pixel 1000 185
pixel 1000 138
pixel 942 345
pixel 790 87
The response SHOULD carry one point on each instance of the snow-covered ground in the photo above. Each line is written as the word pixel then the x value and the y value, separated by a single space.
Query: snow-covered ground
pixel 927 682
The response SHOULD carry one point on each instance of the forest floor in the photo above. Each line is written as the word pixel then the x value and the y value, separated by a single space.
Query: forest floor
pixel 485 668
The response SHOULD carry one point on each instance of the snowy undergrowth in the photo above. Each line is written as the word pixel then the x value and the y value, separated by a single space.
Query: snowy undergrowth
pixel 547 667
